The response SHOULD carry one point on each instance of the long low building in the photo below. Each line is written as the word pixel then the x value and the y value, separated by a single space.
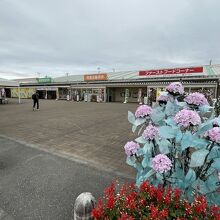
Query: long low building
pixel 122 86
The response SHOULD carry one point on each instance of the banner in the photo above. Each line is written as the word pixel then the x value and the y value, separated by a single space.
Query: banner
pixel 25 93
pixel 96 77
pixel 171 71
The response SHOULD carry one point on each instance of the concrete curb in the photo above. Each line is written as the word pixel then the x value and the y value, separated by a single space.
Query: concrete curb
pixel 4 215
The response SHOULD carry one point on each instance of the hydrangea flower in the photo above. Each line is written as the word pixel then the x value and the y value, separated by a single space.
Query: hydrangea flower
pixel 150 132
pixel 219 176
pixel 196 98
pixel 215 122
pixel 185 118
pixel 213 134
pixel 161 163
pixel 142 111
pixel 175 88
pixel 131 148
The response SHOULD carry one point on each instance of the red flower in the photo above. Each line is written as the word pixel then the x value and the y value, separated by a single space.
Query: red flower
pixel 200 205
pixel 98 212
pixel 124 216
pixel 153 211
pixel 163 214
pixel 110 202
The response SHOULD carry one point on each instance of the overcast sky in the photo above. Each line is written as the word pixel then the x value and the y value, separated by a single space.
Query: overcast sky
pixel 53 37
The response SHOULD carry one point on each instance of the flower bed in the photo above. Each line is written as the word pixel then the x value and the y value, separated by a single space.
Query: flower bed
pixel 152 203
pixel 177 159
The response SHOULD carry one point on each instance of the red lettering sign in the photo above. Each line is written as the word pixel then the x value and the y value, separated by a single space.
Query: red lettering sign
pixel 96 77
pixel 171 71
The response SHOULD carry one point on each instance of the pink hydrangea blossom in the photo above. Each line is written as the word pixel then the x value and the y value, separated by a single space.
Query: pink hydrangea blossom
pixel 164 98
pixel 175 88
pixel 142 111
pixel 161 163
pixel 131 148
pixel 185 118
pixel 150 132
pixel 196 98
pixel 213 134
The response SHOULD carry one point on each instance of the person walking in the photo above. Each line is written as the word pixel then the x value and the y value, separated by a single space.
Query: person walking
pixel 35 98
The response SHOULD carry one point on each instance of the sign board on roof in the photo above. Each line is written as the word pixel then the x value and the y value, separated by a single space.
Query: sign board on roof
pixel 171 71
pixel 44 80
pixel 96 77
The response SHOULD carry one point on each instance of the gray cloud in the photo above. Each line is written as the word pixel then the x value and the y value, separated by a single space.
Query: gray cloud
pixel 76 36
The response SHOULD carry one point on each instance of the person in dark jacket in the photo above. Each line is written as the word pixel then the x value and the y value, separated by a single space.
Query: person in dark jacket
pixel 35 98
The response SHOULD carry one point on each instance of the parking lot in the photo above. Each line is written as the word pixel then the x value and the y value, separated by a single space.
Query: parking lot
pixel 91 132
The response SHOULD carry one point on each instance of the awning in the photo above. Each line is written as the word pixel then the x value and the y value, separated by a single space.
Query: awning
pixel 8 83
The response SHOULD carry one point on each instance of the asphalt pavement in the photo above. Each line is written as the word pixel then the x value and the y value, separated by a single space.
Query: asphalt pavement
pixel 35 184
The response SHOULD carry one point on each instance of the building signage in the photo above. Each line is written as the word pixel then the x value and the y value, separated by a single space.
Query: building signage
pixel 96 77
pixel 44 80
pixel 171 71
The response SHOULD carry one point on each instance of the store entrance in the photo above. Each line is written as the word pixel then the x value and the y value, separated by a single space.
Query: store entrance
pixel 111 94
pixel 51 95
pixel 42 94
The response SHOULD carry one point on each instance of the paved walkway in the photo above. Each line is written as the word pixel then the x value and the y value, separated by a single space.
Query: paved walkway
pixel 91 132
pixel 37 185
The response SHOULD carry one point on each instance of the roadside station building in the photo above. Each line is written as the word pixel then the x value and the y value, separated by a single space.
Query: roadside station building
pixel 115 86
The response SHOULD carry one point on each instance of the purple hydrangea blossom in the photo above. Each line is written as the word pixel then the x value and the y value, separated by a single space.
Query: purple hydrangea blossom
pixel 215 122
pixel 142 111
pixel 213 134
pixel 196 98
pixel 150 132
pixel 175 88
pixel 131 148
pixel 161 163
pixel 185 118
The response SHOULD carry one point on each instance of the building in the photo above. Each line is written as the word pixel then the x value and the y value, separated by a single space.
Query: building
pixel 115 86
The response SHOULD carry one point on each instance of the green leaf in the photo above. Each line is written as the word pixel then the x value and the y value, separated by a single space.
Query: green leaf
pixel 134 127
pixel 149 174
pixel 186 140
pixel 179 136
pixel 164 145
pixel 204 127
pixel 147 149
pixel 157 115
pixel 145 162
pixel 216 164
pixel 159 177
pixel 215 153
pixel 170 109
pixel 190 177
pixel 204 108
pixel 139 121
pixel 167 132
pixel 131 161
pixel 200 185
pixel 131 117
pixel 141 140
pixel 198 142
pixel 171 122
pixel 198 158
